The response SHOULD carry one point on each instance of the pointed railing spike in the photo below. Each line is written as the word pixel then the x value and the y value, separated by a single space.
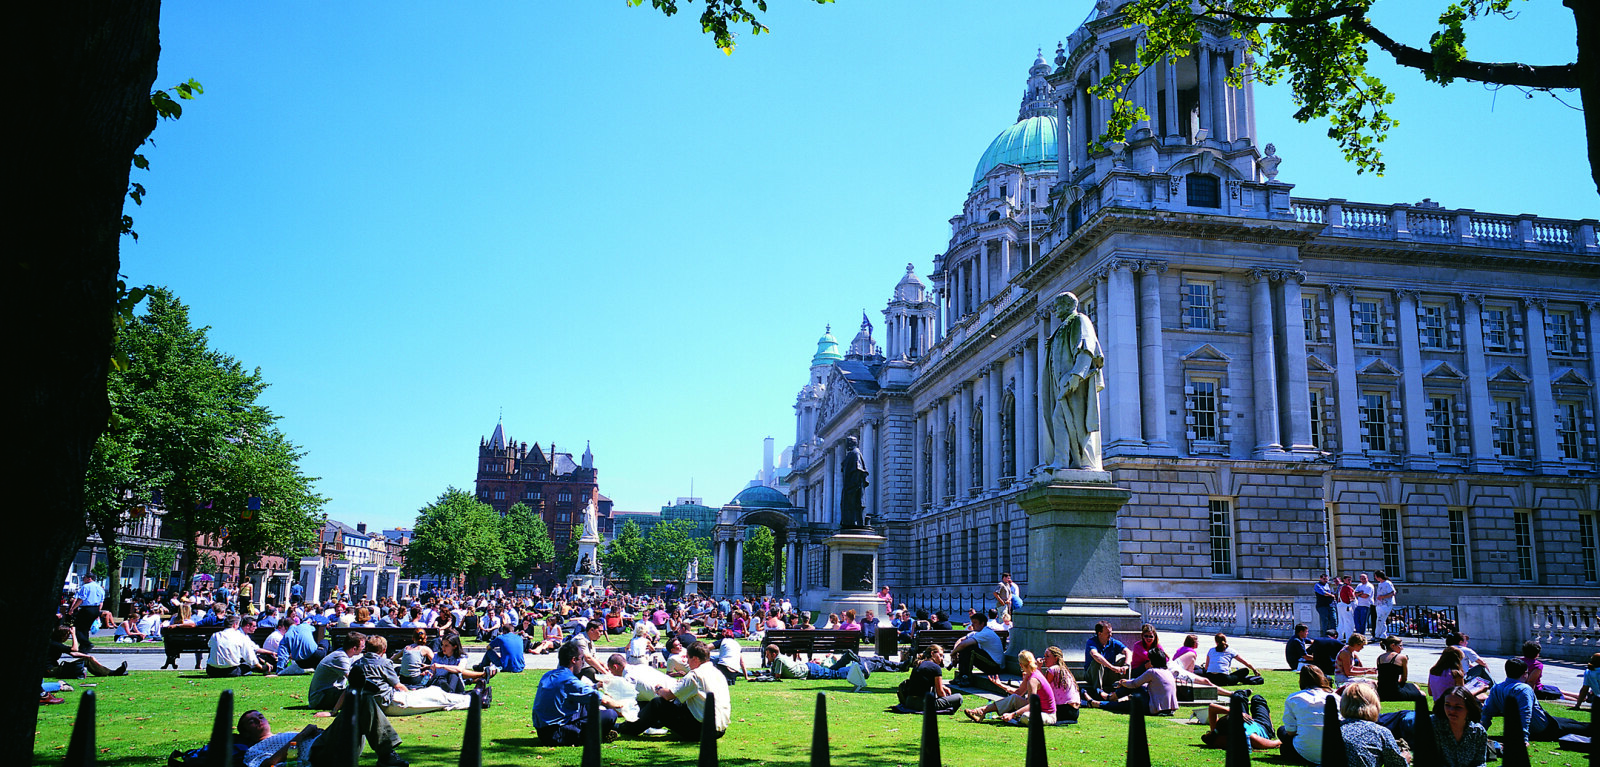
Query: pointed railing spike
pixel 219 751
pixel 1138 731
pixel 929 756
pixel 80 749
pixel 1235 740
pixel 708 733
pixel 1516 749
pixel 1035 756
pixel 591 732
pixel 472 737
pixel 819 734
pixel 357 725
pixel 1423 748
pixel 1332 738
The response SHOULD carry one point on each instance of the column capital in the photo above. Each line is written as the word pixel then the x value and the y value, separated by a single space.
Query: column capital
pixel 1475 299
pixel 1297 276
pixel 1151 265
pixel 1019 348
pixel 1528 302
pixel 1348 290
pixel 1402 294
pixel 1259 274
pixel 1593 306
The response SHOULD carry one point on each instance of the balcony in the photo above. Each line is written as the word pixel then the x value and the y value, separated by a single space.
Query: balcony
pixel 1430 223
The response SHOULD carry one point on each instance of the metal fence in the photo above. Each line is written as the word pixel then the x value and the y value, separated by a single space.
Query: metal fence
pixel 1422 621
pixel 955 605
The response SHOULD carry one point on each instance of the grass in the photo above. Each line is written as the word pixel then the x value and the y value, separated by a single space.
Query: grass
pixel 148 714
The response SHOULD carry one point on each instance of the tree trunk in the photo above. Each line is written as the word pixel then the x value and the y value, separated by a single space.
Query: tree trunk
pixel 113 601
pixel 89 67
pixel 1587 15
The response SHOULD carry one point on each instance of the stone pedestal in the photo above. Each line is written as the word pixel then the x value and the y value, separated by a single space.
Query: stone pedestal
pixel 1074 562
pixel 852 574
pixel 587 547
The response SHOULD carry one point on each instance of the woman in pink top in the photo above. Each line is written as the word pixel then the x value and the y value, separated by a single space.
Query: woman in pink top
pixel 1062 683
pixel 850 623
pixel 1014 708
pixel 1140 651
pixel 1185 656
pixel 1159 684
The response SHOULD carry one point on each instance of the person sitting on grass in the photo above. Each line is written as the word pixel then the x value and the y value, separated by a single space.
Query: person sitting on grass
pixel 1590 690
pixel 64 643
pixel 414 660
pixel 1257 724
pixel 233 653
pixel 1014 708
pixel 787 667
pixel 1101 656
pixel 1139 654
pixel 1162 689
pixel 728 656
pixel 981 648
pixel 333 672
pixel 1219 665
pixel 1535 678
pixel 1366 743
pixel 1062 683
pixel 682 710
pixel 1393 667
pixel 1515 700
pixel 449 668
pixel 505 651
pixel 1302 715
pixel 560 707
pixel 333 746
pixel 1460 737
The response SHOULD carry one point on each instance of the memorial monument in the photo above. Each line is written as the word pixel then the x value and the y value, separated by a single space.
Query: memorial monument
pixel 853 551
pixel 586 573
pixel 1074 559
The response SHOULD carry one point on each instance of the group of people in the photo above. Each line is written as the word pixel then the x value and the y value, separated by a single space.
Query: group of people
pixel 1350 606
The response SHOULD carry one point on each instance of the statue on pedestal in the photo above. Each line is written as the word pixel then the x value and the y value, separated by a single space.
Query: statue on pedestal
pixel 854 470
pixel 591 523
pixel 1072 386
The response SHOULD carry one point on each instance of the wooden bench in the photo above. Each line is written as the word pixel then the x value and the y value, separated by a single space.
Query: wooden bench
pixel 177 640
pixel 791 641
pixel 946 639
pixel 396 637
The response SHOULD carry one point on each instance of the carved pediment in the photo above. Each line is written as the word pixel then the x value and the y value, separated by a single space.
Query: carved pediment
pixel 1315 364
pixel 1206 354
pixel 1377 367
pixel 1568 377
pixel 838 396
pixel 1445 370
pixel 1508 374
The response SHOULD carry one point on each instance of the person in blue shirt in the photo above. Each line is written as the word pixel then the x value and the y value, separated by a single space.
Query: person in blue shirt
pixel 299 651
pixel 270 620
pixel 296 594
pixel 982 648
pixel 86 610
pixel 561 705
pixel 1101 653
pixel 1515 700
pixel 505 651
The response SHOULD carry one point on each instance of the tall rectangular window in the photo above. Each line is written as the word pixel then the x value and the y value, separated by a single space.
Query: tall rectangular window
pixel 1558 332
pixel 1375 422
pixel 499 495
pixel 1389 522
pixel 1494 329
pixel 1308 315
pixel 1505 428
pixel 1204 410
pixel 1430 327
pixel 1201 304
pixel 1567 430
pixel 1460 569
pixel 1368 322
pixel 1586 547
pixel 1221 537
pixel 1316 418
pixel 1441 434
pixel 1522 527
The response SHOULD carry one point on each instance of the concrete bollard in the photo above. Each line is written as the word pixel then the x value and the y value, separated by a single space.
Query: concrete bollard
pixel 929 756
pixel 219 751
pixel 357 725
pixel 819 734
pixel 708 733
pixel 1235 740
pixel 1138 730
pixel 592 733
pixel 472 737
pixel 1036 755
pixel 1332 737
pixel 80 748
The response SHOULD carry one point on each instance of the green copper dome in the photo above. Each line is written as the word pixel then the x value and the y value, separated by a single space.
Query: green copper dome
pixel 827 349
pixel 1030 144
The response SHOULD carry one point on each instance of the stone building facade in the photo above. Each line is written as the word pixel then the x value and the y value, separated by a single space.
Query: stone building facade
pixel 1292 385
pixel 555 485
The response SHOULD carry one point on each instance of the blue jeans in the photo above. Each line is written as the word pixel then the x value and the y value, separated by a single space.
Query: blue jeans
pixel 819 671
pixel 1362 612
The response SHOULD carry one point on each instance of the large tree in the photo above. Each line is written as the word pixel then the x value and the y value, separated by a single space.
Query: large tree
pixel 672 546
pixel 628 557
pixel 758 557
pixel 1322 47
pixel 456 535
pixel 527 541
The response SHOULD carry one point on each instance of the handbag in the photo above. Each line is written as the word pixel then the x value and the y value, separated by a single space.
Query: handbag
pixel 1185 693
pixel 72 669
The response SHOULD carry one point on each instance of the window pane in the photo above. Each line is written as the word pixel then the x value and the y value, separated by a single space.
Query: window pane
pixel 1458 545
pixel 1390 520
pixel 1522 524
pixel 1221 538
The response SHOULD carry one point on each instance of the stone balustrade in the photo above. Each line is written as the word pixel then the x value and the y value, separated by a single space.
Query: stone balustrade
pixel 1431 223
pixel 1567 628
pixel 1264 616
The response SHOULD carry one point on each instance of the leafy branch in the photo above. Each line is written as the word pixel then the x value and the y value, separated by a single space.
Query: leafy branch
pixel 720 15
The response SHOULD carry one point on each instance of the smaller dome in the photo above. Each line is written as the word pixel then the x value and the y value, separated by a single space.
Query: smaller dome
pixel 827 349
pixel 760 497
pixel 1029 144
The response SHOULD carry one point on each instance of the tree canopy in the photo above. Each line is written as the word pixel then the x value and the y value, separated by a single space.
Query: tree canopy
pixel 527 541
pixel 758 556
pixel 456 535
pixel 628 557
pixel 672 546
pixel 1321 48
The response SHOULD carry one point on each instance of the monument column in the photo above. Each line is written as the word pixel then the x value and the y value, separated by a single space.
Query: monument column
pixel 1264 363
pixel 1221 127
pixel 1418 456
pixel 1169 101
pixel 718 565
pixel 1152 366
pixel 1202 60
pixel 869 456
pixel 1293 380
pixel 1046 447
pixel 1122 361
pixel 1480 409
pixel 984 288
pixel 1005 252
pixel 1351 449
pixel 1066 137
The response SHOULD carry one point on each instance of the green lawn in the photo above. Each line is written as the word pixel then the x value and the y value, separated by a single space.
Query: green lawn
pixel 148 714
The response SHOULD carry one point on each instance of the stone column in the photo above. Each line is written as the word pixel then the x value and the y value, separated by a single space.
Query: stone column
pixel 1412 394
pixel 1005 252
pixel 342 572
pixel 1546 443
pixel 1293 383
pixel 1202 60
pixel 1169 102
pixel 780 540
pixel 939 308
pixel 984 289
pixel 738 561
pixel 1066 134
pixel 937 428
pixel 1120 399
pixel 919 425
pixel 869 456
pixel 311 579
pixel 991 425
pixel 1593 326
pixel 1027 420
pixel 964 478
pixel 1143 88
pixel 719 566
pixel 1219 96
pixel 1102 110
pixel 258 595
pixel 1351 450
pixel 1152 364
pixel 369 575
pixel 1264 363
pixel 1480 409
pixel 393 591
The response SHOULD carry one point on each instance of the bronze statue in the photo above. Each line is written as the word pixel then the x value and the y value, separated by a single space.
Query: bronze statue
pixel 1072 386
pixel 851 488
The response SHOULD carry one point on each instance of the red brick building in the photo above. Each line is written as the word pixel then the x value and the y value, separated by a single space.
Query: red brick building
pixel 554 484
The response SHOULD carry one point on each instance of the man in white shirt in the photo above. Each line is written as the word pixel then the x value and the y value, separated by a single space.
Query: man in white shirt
pixel 1383 593
pixel 682 710
pixel 633 683
pixel 1364 605
pixel 233 653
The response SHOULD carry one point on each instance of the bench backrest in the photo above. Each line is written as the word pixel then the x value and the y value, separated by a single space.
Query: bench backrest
pixel 396 637
pixel 791 640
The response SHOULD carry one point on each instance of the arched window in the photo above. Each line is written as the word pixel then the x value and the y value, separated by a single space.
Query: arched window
pixel 994 215
pixel 1008 437
pixel 1204 191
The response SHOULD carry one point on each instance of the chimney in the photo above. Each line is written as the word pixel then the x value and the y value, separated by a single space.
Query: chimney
pixel 766 462
pixel 361 527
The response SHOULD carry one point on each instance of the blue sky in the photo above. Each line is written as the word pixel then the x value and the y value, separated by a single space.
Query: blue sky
pixel 414 215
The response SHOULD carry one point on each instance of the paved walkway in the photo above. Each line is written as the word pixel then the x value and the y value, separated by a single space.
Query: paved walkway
pixel 1266 654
